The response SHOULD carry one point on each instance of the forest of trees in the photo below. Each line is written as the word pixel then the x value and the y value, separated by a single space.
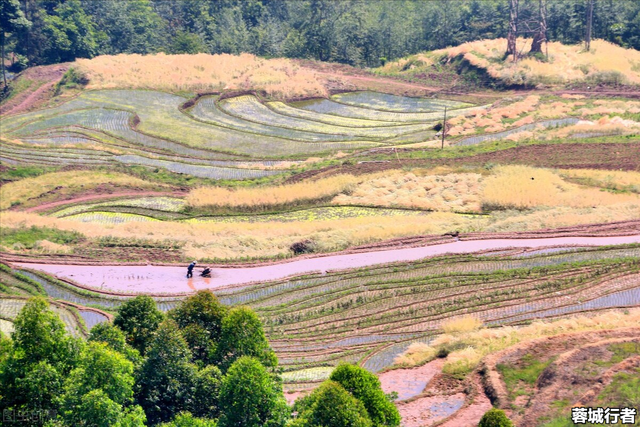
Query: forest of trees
pixel 200 365
pixel 355 32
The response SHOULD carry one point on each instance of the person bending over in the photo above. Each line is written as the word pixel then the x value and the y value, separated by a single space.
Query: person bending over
pixel 206 272
pixel 190 269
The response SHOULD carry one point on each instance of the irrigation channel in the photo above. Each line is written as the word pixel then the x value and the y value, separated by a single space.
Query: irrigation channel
pixel 171 280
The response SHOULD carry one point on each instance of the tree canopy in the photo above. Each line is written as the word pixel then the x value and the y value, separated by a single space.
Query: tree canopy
pixel 350 31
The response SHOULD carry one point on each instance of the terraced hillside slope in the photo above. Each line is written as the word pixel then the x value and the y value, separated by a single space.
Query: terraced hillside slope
pixel 360 225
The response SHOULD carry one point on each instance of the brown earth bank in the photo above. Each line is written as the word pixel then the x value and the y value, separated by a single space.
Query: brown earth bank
pixel 572 373
pixel 89 254
pixel 613 156
pixel 97 194
pixel 42 89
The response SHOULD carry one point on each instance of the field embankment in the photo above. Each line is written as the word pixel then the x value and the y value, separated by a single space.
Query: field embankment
pixel 606 63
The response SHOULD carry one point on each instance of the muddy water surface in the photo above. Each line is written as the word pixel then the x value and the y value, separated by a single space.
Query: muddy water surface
pixel 171 280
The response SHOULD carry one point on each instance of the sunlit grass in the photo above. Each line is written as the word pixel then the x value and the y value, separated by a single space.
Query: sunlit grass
pixel 478 344
pixel 262 197
pixel 18 192
pixel 524 187
pixel 281 78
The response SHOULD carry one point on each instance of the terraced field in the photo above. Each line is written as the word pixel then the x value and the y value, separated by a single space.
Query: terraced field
pixel 371 315
pixel 230 139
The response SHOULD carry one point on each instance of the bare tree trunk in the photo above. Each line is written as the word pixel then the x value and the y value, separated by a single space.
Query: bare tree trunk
pixel 444 127
pixel 513 29
pixel 587 38
pixel 4 74
pixel 540 36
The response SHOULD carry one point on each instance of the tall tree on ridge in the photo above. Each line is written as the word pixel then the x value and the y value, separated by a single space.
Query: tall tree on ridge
pixel 513 29
pixel 11 19
pixel 541 33
pixel 587 38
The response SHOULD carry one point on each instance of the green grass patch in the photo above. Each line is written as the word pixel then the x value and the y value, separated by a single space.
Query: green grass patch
pixel 519 378
pixel 21 172
pixel 27 237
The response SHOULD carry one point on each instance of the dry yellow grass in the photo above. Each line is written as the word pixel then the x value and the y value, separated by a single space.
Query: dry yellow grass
pixel 462 324
pixel 264 239
pixel 617 180
pixel 511 221
pixel 486 341
pixel 551 203
pixel 524 187
pixel 446 193
pixel 280 78
pixel 271 196
pixel 568 63
pixel 25 189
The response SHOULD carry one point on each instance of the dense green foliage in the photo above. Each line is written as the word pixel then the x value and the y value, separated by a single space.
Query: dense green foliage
pixel 106 382
pixel 200 319
pixel 495 418
pixel 353 32
pixel 166 383
pixel 41 358
pixel 365 386
pixel 138 318
pixel 251 397
pixel 242 335
pixel 330 405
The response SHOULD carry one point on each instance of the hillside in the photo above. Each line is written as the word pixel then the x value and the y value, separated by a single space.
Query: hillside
pixel 371 217
pixel 606 63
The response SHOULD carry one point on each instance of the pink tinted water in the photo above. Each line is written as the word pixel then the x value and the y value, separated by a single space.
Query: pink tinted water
pixel 171 280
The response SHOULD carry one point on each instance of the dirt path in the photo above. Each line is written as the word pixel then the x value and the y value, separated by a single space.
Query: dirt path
pixel 470 416
pixel 31 99
pixel 171 279
pixel 91 197
pixel 409 383
pixel 47 76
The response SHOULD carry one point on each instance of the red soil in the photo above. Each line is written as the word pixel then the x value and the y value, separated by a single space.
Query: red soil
pixel 607 156
pixel 45 77
pixel 470 416
pixel 90 197
pixel 156 280
pixel 409 383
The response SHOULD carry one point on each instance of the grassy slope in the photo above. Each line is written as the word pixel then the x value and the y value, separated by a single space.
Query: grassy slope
pixel 481 60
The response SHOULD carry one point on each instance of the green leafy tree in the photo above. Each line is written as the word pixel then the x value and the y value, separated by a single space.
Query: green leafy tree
pixel 200 319
pixel 126 26
pixel 139 318
pixel 242 335
pixel 5 347
pixel 99 368
pixel 101 384
pixel 206 397
pixel 95 409
pixel 186 43
pixel 365 386
pixel 185 419
pixel 114 338
pixel 166 381
pixel 251 397
pixel 70 34
pixel 495 418
pixel 330 405
pixel 11 19
pixel 42 355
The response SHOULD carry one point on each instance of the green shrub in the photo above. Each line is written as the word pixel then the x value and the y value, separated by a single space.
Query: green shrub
pixel 495 418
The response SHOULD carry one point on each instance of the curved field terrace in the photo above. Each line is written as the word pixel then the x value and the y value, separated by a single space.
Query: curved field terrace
pixel 170 280
pixel 462 262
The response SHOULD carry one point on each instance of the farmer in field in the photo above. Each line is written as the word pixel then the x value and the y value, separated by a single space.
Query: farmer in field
pixel 190 269
pixel 206 272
